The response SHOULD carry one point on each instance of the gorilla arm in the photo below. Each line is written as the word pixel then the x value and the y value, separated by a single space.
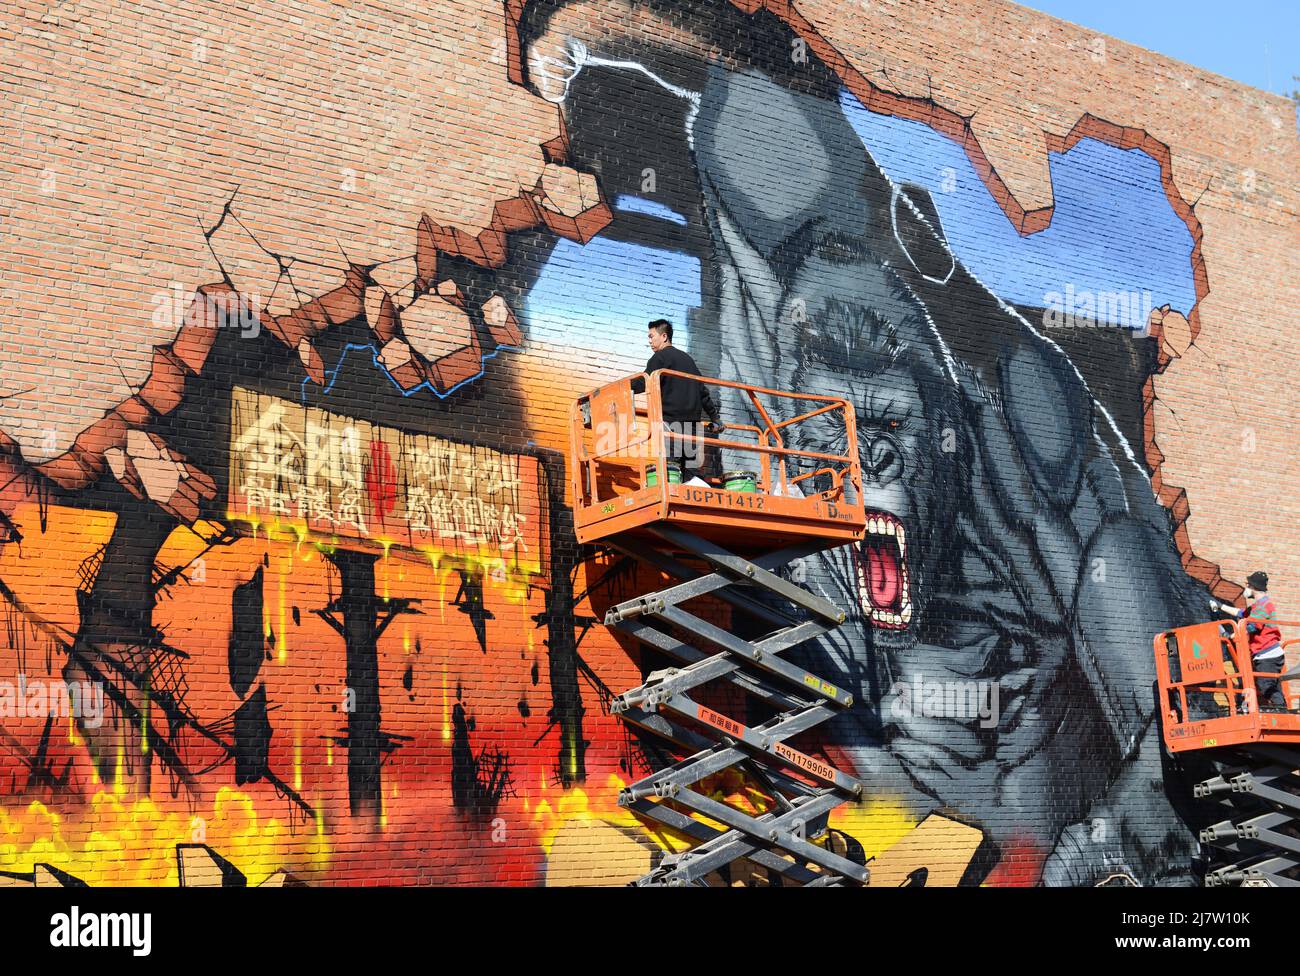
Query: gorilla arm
pixel 747 135
pixel 1045 401
pixel 1108 546
pixel 1059 466
pixel 1133 830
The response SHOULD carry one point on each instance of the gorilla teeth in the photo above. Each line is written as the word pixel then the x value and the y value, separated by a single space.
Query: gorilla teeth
pixel 889 527
pixel 885 525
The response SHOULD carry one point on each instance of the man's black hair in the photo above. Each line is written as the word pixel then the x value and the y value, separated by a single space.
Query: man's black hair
pixel 664 326
pixel 1258 581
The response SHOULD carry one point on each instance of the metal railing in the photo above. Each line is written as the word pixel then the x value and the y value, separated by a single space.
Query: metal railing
pixel 613 438
pixel 1218 679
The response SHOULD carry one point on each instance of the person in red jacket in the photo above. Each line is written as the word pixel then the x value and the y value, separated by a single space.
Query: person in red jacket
pixel 1266 652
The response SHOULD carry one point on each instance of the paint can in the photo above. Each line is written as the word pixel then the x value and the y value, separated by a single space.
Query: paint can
pixel 740 481
pixel 652 475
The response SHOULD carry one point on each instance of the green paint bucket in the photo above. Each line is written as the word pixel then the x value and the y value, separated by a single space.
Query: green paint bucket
pixel 740 481
pixel 652 475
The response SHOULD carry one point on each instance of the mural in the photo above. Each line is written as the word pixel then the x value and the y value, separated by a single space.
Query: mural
pixel 979 564
pixel 311 589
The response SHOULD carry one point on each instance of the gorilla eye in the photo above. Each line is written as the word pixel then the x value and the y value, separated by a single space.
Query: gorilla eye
pixel 883 421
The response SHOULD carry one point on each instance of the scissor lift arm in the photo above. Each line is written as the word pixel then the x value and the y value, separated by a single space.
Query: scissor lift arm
pixel 696 538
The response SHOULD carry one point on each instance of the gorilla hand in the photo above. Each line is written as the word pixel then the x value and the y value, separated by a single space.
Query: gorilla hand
pixel 1131 833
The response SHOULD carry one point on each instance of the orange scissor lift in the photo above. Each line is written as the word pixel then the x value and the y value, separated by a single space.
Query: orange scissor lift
pixel 1210 707
pixel 729 546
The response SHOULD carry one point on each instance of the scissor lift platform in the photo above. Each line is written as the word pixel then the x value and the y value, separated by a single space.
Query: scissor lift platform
pixel 733 519
pixel 729 546
pixel 618 448
pixel 1207 690
pixel 1211 708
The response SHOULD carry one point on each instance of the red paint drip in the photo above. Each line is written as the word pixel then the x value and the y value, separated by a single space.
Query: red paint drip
pixel 381 480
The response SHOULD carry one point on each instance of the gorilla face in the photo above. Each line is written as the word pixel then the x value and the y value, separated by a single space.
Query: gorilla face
pixel 863 337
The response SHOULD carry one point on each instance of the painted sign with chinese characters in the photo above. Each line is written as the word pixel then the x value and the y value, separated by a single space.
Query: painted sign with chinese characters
pixel 349 478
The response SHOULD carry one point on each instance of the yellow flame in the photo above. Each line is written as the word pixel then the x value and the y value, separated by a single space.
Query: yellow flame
pixel 117 842
pixel 119 775
pixel 282 638
pixel 877 823
pixel 446 707
pixel 388 545
pixel 551 814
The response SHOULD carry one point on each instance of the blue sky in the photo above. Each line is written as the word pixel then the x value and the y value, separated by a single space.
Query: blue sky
pixel 1252 41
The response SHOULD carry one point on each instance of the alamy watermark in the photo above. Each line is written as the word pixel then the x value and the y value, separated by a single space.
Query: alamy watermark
pixel 924 697
pixel 179 306
pixel 1084 309
pixel 75 929
pixel 681 439
pixel 34 698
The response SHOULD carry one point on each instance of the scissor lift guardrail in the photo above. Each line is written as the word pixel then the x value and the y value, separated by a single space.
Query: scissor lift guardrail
pixel 1211 707
pixel 673 531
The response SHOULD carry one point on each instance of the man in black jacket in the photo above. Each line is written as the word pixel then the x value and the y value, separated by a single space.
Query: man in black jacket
pixel 684 401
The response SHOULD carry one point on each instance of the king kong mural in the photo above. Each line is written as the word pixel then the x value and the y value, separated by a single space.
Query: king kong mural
pixel 1015 545
pixel 1015 541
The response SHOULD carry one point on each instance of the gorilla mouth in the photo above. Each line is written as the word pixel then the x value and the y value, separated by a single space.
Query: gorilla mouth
pixel 883 585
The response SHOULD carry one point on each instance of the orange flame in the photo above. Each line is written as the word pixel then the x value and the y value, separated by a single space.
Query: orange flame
pixel 119 842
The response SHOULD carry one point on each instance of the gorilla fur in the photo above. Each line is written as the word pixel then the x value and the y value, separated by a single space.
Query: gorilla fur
pixel 1037 557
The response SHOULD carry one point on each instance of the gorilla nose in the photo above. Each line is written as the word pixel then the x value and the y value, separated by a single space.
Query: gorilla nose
pixel 884 465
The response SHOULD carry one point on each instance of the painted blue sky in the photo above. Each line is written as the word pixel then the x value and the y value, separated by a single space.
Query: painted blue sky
pixel 599 297
pixel 1112 229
